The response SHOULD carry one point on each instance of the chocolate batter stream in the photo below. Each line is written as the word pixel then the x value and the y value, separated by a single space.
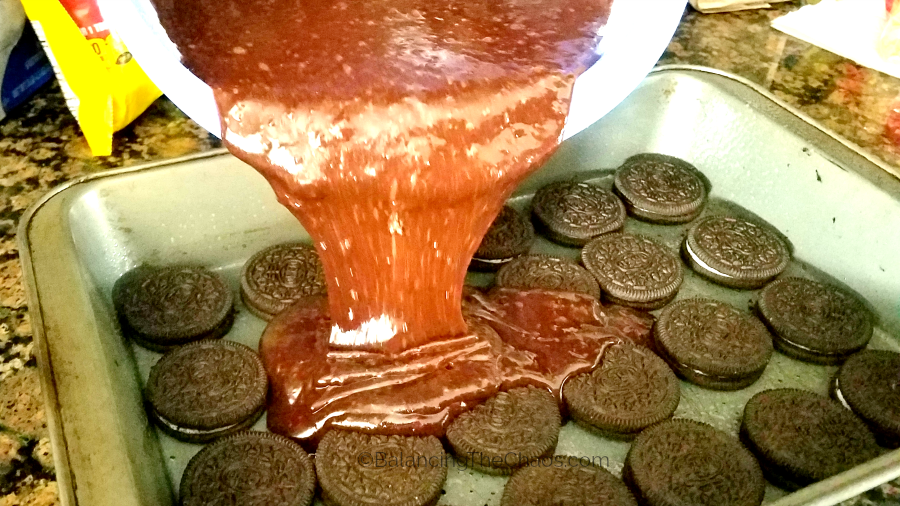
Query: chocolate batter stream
pixel 395 131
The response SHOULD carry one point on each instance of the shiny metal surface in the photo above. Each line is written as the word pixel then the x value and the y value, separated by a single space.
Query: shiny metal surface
pixel 839 208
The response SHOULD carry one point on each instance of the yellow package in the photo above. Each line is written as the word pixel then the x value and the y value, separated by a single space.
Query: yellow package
pixel 104 86
pixel 889 42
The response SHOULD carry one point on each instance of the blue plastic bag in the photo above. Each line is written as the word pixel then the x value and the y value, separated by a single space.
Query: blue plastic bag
pixel 23 65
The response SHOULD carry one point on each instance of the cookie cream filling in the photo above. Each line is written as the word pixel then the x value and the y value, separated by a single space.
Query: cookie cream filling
pixel 705 266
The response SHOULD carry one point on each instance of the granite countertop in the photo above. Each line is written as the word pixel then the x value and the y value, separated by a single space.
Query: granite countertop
pixel 41 147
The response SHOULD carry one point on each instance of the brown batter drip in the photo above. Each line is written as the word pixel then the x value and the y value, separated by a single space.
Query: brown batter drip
pixel 395 130
pixel 516 338
pixel 397 243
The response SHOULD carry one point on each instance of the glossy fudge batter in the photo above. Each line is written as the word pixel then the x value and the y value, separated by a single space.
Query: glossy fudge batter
pixel 394 131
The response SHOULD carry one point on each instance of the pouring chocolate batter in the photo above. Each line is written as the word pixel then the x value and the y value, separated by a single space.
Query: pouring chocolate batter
pixel 394 131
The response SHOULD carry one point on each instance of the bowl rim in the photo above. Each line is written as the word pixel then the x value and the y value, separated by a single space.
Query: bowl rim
pixel 625 52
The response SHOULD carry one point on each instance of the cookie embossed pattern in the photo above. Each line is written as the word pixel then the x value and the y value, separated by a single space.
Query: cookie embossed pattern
pixel 279 276
pixel 813 321
pixel 869 384
pixel 660 188
pixel 634 270
pixel 574 213
pixel 713 344
pixel 631 390
pixel 346 481
pixel 801 437
pixel 510 236
pixel 524 421
pixel 687 462
pixel 161 308
pixel 736 252
pixel 568 483
pixel 549 273
pixel 282 473
pixel 207 389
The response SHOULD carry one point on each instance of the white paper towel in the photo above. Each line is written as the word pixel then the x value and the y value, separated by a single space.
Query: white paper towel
pixel 849 28
pixel 713 6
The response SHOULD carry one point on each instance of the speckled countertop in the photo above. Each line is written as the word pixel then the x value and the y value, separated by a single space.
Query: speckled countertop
pixel 41 147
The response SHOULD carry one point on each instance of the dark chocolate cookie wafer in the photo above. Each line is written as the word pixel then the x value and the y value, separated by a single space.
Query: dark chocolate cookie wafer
pixel 736 252
pixel 507 431
pixel 249 469
pixel 869 384
pixel 123 286
pixel 574 213
pixel 510 236
pixel 713 344
pixel 548 273
pixel 814 322
pixel 661 188
pixel 634 270
pixel 801 437
pixel 165 307
pixel 565 480
pixel 683 462
pixel 357 469
pixel 207 389
pixel 631 390
pixel 279 276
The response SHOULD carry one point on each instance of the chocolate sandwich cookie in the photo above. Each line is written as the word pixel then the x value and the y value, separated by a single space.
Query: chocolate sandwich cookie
pixel 869 384
pixel 123 286
pixel 574 213
pixel 279 276
pixel 507 431
pixel 814 322
pixel 510 236
pixel 357 469
pixel 547 273
pixel 713 344
pixel 630 391
pixel 205 390
pixel 661 188
pixel 801 437
pixel 682 462
pixel 736 253
pixel 249 468
pixel 160 308
pixel 634 270
pixel 565 480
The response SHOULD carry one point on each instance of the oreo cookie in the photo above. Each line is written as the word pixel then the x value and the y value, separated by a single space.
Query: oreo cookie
pixel 661 188
pixel 249 468
pixel 815 322
pixel 507 431
pixel 278 276
pixel 357 469
pixel 869 384
pixel 123 287
pixel 736 253
pixel 160 308
pixel 713 344
pixel 566 480
pixel 634 270
pixel 547 273
pixel 631 390
pixel 205 390
pixel 801 437
pixel 687 462
pixel 510 236
pixel 574 213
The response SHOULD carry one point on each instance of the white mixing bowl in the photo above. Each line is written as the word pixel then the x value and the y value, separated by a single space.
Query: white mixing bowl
pixel 637 33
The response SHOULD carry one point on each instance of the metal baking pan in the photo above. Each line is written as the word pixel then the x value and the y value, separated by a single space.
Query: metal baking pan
pixel 839 207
